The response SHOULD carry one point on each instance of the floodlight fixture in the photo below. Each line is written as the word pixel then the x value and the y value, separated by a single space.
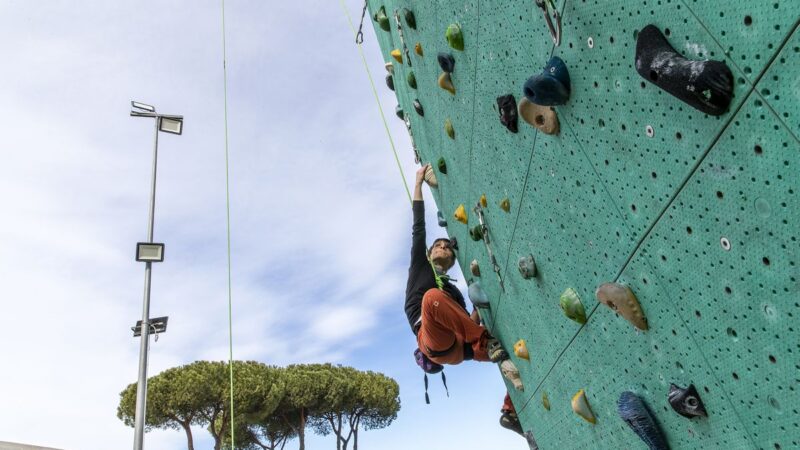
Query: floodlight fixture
pixel 143 106
pixel 149 252
pixel 170 124
pixel 157 325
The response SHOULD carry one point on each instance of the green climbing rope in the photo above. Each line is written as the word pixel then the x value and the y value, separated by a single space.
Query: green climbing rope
pixel 228 223
pixel 439 282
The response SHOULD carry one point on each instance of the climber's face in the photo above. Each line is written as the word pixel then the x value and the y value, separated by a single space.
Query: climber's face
pixel 442 254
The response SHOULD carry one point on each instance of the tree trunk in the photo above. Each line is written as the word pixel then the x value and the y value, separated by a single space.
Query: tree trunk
pixel 189 439
pixel 301 433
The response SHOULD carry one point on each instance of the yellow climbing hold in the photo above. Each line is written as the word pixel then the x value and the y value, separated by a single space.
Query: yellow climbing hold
pixel 446 83
pixel 581 407
pixel 505 204
pixel 397 55
pixel 483 200
pixel 545 401
pixel 521 350
pixel 461 214
pixel 418 49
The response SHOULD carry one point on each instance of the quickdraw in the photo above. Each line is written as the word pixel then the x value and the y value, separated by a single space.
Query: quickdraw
pixel 485 231
pixel 402 39
pixel 360 34
pixel 411 135
pixel 555 32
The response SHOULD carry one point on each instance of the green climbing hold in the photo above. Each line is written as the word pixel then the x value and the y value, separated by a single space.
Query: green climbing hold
pixel 382 19
pixel 505 204
pixel 448 128
pixel 545 401
pixel 572 306
pixel 476 233
pixel 412 80
pixel 454 36
pixel 442 166
pixel 410 19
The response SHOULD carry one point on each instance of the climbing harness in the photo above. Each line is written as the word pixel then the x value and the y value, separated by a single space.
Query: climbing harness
pixel 479 211
pixel 549 10
pixel 360 34
pixel 402 39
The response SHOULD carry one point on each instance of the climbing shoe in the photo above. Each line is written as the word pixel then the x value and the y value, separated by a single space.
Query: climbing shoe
pixel 495 350
pixel 510 421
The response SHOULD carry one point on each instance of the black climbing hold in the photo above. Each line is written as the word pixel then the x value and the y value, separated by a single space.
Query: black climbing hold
pixel 390 81
pixel 418 108
pixel 442 166
pixel 410 19
pixel 382 19
pixel 446 62
pixel 507 106
pixel 531 441
pixel 399 112
pixel 476 233
pixel 441 219
pixel 639 417
pixel 551 87
pixel 686 401
pixel 412 80
pixel 705 85
pixel 454 242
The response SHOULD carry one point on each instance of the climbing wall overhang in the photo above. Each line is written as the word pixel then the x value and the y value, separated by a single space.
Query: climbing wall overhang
pixel 697 214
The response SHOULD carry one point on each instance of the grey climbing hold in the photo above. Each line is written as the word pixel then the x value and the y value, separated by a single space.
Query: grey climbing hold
pixel 418 108
pixel 531 441
pixel 527 267
pixel 399 112
pixel 686 401
pixel 477 295
pixel 390 81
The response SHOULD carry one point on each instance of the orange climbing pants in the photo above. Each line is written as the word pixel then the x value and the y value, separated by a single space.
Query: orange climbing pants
pixel 445 325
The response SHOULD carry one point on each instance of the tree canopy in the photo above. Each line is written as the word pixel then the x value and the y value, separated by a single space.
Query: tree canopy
pixel 271 405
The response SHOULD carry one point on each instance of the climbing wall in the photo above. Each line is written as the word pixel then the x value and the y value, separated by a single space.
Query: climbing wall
pixel 697 214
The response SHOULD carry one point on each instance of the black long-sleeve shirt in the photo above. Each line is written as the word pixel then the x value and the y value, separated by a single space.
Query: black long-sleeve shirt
pixel 420 272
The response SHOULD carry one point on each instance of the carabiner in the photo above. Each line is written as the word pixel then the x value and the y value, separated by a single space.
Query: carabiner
pixel 555 32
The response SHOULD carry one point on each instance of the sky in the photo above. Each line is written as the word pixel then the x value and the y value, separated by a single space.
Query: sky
pixel 319 218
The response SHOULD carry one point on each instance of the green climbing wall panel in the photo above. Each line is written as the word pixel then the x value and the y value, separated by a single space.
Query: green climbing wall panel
pixel 697 214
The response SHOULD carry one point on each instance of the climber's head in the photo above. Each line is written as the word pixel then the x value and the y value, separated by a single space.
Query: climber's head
pixel 441 253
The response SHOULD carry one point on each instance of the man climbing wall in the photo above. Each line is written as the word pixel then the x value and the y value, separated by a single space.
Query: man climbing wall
pixel 446 333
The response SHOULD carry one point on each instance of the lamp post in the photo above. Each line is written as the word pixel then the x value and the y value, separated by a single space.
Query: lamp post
pixel 149 252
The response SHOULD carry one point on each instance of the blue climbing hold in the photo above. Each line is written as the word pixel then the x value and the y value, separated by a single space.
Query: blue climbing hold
pixel 551 87
pixel 636 414
pixel 446 62
pixel 440 217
